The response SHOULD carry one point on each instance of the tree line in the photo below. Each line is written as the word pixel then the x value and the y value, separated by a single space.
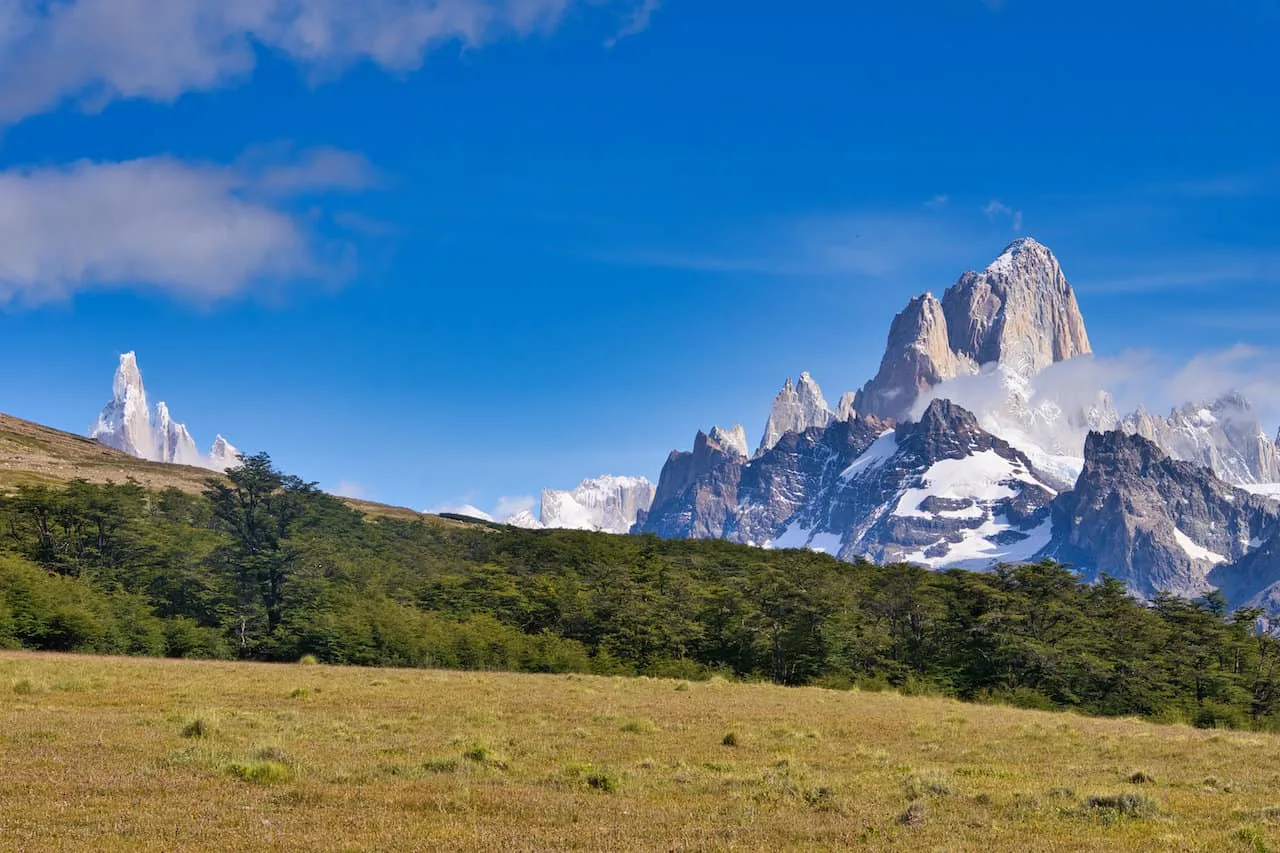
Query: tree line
pixel 264 566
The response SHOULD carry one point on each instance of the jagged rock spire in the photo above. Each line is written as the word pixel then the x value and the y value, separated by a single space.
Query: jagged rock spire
pixel 796 408
pixel 126 423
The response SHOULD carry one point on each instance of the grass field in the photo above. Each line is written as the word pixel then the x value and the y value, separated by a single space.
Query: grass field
pixel 137 754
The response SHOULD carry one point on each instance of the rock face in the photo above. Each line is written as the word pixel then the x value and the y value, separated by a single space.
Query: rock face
pixel 1157 523
pixel 938 492
pixel 697 492
pixel 608 503
pixel 917 357
pixel 733 440
pixel 796 408
pixel 1020 311
pixel 126 424
pixel 1224 436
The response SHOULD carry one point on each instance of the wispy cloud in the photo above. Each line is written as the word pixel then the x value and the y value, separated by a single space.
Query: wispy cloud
pixel 194 231
pixel 97 51
pixel 937 202
pixel 637 23
pixel 350 489
pixel 997 210
pixel 874 245
pixel 509 506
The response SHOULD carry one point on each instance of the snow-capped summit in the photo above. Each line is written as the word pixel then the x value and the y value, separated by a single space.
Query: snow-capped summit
pixel 223 455
pixel 796 408
pixel 608 503
pixel 126 423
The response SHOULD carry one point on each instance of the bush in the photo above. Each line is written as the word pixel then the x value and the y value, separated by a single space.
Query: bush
pixel 1114 807
pixel 261 772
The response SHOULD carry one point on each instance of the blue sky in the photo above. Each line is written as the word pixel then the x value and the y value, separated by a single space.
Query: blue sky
pixel 447 251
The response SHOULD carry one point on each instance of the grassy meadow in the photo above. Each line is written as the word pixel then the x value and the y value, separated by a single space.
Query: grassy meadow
pixel 147 754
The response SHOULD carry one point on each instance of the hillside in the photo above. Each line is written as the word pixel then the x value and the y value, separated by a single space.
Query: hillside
pixel 119 754
pixel 32 454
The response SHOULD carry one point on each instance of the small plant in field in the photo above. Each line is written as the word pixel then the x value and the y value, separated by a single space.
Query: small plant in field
pixel 481 755
pixel 915 814
pixel 823 799
pixel 603 780
pixel 639 727
pixel 1141 778
pixel 1111 808
pixel 200 727
pixel 730 739
pixel 682 686
pixel 308 660
pixel 1253 839
pixel 300 693
pixel 25 687
pixel 260 772
pixel 930 783
pixel 440 765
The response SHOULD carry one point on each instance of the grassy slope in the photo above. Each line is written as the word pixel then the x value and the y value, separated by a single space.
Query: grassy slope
pixel 35 454
pixel 95 758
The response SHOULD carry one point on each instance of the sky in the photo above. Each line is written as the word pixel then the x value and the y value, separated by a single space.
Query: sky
pixel 436 252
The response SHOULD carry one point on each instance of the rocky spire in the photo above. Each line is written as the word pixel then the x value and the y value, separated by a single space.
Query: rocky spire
pixel 734 439
pixel 223 455
pixel 1019 312
pixel 917 357
pixel 125 422
pixel 845 410
pixel 795 409
pixel 173 442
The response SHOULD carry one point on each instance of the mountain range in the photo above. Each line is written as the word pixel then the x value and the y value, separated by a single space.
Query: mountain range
pixel 976 443
pixel 969 448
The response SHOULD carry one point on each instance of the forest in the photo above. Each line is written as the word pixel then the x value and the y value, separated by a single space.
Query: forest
pixel 264 566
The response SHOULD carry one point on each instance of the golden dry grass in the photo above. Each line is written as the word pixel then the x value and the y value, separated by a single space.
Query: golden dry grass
pixel 130 754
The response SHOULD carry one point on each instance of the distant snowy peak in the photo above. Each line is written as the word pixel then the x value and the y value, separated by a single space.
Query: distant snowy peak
pixel 1224 436
pixel 126 423
pixel 608 503
pixel 796 408
pixel 524 518
pixel 223 455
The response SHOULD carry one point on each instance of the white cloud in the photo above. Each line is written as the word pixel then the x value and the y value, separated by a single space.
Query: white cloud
pixel 637 23
pixel 997 210
pixel 194 231
pixel 938 201
pixel 97 51
pixel 509 506
pixel 349 489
